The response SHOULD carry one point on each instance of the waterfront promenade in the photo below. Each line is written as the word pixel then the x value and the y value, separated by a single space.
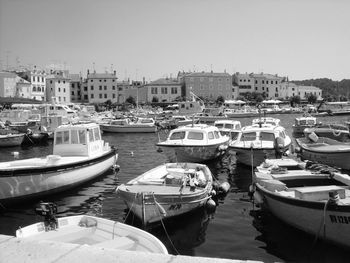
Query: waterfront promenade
pixel 15 250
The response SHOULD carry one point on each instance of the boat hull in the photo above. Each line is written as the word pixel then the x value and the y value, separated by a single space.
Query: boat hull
pixel 153 207
pixel 255 156
pixel 11 140
pixel 339 157
pixel 128 129
pixel 310 216
pixel 193 154
pixel 17 185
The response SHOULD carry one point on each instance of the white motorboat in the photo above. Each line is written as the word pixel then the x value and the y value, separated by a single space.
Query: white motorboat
pixel 230 128
pixel 194 143
pixel 312 198
pixel 168 190
pixel 140 125
pixel 79 155
pixel 303 122
pixel 260 141
pixel 91 231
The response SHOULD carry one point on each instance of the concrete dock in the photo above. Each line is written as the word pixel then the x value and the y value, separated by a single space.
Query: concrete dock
pixel 15 250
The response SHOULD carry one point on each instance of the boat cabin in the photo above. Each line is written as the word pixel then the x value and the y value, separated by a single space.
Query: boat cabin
pixel 78 140
pixel 197 134
pixel 261 134
pixel 305 121
pixel 266 120
pixel 230 128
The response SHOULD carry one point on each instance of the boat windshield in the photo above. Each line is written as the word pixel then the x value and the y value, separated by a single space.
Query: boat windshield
pixel 234 135
pixel 219 125
pixel 177 136
pixel 267 136
pixel 249 136
pixel 195 136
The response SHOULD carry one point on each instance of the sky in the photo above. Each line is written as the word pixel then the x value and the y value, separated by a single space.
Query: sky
pixel 301 39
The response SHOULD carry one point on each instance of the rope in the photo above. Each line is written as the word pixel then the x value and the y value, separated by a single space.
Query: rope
pixel 165 231
pixel 132 205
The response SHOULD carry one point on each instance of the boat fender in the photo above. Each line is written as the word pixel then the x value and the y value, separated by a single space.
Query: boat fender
pixel 251 191
pixel 15 154
pixel 213 193
pixel 211 205
pixel 160 208
pixel 333 198
pixel 258 198
pixel 225 187
pixel 159 150
pixel 116 167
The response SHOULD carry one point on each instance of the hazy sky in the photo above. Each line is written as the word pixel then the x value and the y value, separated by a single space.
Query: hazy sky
pixel 156 38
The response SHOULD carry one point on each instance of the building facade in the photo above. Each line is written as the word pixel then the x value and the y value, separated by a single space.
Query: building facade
pixel 242 83
pixel 38 80
pixel 8 84
pixel 58 88
pixel 75 82
pixel 23 88
pixel 102 87
pixel 207 85
pixel 163 90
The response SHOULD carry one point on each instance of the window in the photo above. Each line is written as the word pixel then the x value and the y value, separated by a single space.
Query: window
pixel 104 80
pixel 34 88
pixel 249 136
pixel 91 135
pixel 74 137
pixel 97 134
pixel 267 82
pixel 91 80
pixel 164 90
pixel 100 87
pixel 105 87
pixel 195 136
pixel 173 90
pixel 50 81
pixel 81 134
pixel 105 96
pixel 113 96
pixel 59 89
pixel 100 96
pixel 64 90
pixel 113 87
pixel 263 82
pixel 217 134
pixel 64 82
pixel 91 87
pixel 92 96
pixel 154 90
pixel 210 135
pixel 59 82
pixel 256 82
pixel 177 136
pixel 267 136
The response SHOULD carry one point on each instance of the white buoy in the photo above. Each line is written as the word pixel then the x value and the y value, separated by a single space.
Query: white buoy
pixel 225 187
pixel 132 153
pixel 211 205
pixel 15 154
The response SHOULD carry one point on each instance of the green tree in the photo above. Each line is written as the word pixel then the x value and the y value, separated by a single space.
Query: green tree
pixel 131 100
pixel 311 98
pixel 294 100
pixel 220 100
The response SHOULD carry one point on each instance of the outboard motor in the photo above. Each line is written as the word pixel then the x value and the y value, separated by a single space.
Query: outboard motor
pixel 48 210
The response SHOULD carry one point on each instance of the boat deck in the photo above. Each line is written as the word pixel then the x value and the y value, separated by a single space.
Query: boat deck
pixel 165 189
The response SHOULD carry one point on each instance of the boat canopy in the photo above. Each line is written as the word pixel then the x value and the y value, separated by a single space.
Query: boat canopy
pixel 78 140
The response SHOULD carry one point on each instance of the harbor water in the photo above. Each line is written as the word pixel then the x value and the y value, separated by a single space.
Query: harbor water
pixel 236 230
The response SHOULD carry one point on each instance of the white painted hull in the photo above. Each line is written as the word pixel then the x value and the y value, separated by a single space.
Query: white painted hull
pixel 193 154
pixel 95 232
pixel 21 183
pixel 309 217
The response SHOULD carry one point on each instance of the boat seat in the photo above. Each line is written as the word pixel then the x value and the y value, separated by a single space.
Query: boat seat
pixel 273 185
pixel 318 193
pixel 117 243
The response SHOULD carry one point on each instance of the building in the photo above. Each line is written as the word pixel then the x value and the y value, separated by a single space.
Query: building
pixel 163 90
pixel 207 85
pixel 58 88
pixel 267 84
pixel 242 83
pixel 102 87
pixel 23 88
pixel 75 88
pixel 8 84
pixel 289 89
pixel 38 80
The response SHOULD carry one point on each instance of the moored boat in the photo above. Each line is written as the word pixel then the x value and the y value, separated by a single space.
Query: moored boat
pixel 79 155
pixel 314 201
pixel 230 128
pixel 11 139
pixel 194 143
pixel 141 125
pixel 167 190
pixel 303 122
pixel 91 231
pixel 260 141
pixel 325 150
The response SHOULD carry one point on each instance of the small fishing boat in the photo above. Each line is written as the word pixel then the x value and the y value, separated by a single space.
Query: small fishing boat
pixel 260 141
pixel 35 138
pixel 79 155
pixel 311 198
pixel 325 150
pixel 194 143
pixel 89 230
pixel 11 139
pixel 333 131
pixel 303 122
pixel 167 190
pixel 140 125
